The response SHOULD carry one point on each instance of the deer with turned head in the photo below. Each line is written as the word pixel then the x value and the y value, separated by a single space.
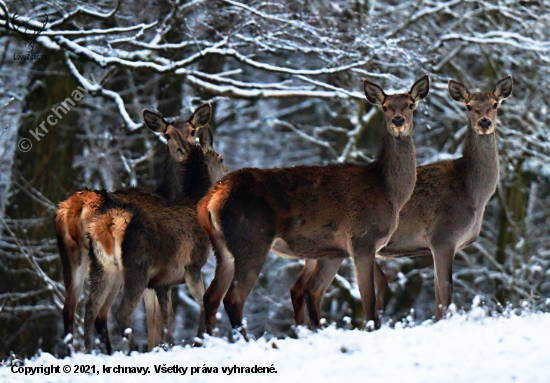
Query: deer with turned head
pixel 83 206
pixel 292 210
pixel 156 244
pixel 445 211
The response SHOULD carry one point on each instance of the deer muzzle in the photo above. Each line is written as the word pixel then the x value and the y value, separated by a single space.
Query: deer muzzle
pixel 485 125
pixel 398 121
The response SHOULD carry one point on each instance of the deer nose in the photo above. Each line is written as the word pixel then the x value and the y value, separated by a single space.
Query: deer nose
pixel 484 123
pixel 398 120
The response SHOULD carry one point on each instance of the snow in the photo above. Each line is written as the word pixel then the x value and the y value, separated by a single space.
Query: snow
pixel 464 348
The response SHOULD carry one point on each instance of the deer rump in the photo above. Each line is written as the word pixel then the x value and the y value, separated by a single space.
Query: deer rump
pixel 85 213
pixel 100 227
pixel 148 235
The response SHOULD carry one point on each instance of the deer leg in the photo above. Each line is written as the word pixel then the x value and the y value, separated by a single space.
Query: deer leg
pixel 437 296
pixel 101 320
pixel 73 286
pixel 135 283
pixel 225 266
pixel 195 285
pixel 247 270
pixel 164 295
pixel 297 292
pixel 381 283
pixel 443 265
pixel 100 287
pixel 364 260
pixel 153 315
pixel 317 285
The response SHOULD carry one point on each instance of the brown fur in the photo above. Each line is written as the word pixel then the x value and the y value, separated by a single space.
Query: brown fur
pixel 160 244
pixel 68 217
pixel 156 242
pixel 84 209
pixel 323 213
pixel 445 211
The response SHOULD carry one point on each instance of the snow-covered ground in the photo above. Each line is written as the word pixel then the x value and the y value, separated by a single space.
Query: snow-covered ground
pixel 465 348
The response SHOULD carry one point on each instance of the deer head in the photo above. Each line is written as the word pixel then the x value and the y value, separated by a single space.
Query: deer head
pixel 30 38
pixel 180 138
pixel 398 108
pixel 482 107
pixel 178 132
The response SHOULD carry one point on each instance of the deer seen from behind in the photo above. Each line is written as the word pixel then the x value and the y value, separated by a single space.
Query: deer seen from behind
pixel 153 244
pixel 323 213
pixel 81 207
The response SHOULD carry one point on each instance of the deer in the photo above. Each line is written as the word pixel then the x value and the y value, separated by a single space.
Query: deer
pixel 83 205
pixel 152 245
pixel 445 212
pixel 321 213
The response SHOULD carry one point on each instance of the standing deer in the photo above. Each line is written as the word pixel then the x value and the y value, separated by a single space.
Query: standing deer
pixel 83 205
pixel 445 211
pixel 153 244
pixel 324 213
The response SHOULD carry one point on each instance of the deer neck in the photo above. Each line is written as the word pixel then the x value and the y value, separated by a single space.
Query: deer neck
pixel 188 180
pixel 481 165
pixel 170 187
pixel 196 177
pixel 398 166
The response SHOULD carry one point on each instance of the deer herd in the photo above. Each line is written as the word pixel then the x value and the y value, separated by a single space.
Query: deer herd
pixel 145 242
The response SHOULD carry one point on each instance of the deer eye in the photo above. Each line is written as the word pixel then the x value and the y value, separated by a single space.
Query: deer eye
pixel 384 108
pixel 167 136
pixel 469 108
pixel 495 106
pixel 411 107
pixel 193 132
pixel 221 160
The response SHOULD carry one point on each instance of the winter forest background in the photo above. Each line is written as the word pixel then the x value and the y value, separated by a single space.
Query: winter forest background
pixel 285 79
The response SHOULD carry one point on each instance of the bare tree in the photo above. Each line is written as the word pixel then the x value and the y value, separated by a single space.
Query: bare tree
pixel 285 79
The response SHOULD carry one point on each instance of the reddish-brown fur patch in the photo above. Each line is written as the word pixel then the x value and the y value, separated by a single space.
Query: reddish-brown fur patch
pixel 212 204
pixel 204 215
pixel 121 218
pixel 109 227
pixel 68 223
pixel 99 230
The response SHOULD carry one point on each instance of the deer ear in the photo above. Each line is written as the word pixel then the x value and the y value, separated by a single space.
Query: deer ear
pixel 458 91
pixel 503 88
pixel 420 89
pixel 201 115
pixel 154 121
pixel 206 138
pixel 374 93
